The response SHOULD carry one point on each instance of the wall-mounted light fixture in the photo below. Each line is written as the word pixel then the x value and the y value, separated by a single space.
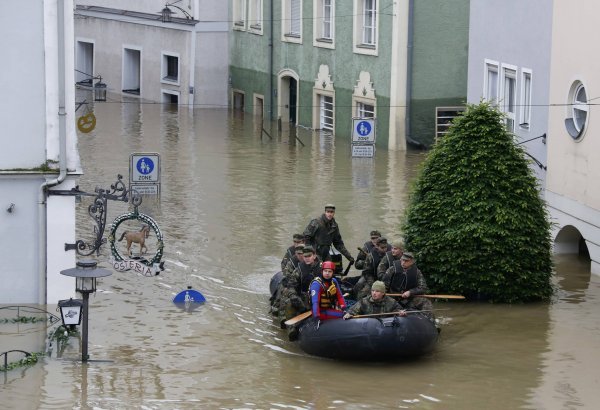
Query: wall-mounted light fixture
pixel 167 14
pixel 10 208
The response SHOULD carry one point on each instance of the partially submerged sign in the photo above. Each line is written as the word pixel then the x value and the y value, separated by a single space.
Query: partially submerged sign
pixel 189 299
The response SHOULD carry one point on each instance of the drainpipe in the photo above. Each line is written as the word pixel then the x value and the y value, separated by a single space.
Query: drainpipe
pixel 271 61
pixel 409 59
pixel 62 156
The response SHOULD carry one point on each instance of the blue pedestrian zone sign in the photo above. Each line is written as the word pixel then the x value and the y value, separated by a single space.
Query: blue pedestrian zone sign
pixel 145 165
pixel 189 299
pixel 363 130
pixel 144 168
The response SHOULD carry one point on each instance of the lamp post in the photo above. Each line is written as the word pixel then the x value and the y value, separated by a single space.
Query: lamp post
pixel 85 274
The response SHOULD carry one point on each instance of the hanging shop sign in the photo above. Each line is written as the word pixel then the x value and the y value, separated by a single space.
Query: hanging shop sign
pixel 136 244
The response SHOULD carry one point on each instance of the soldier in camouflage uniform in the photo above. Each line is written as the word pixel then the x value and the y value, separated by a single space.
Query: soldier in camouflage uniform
pixel 388 260
pixel 323 232
pixel 298 239
pixel 369 269
pixel 368 246
pixel 405 278
pixel 378 302
pixel 292 264
pixel 294 286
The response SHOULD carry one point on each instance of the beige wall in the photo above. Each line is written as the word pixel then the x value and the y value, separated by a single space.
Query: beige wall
pixel 572 184
pixel 574 167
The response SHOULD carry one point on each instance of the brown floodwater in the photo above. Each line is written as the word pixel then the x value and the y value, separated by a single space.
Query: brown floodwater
pixel 231 200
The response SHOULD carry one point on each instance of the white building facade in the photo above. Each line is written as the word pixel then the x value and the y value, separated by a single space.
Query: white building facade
pixel 572 187
pixel 140 54
pixel 38 152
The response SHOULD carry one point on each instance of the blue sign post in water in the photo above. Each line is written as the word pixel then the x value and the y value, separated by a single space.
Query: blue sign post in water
pixel 363 137
pixel 144 173
pixel 189 299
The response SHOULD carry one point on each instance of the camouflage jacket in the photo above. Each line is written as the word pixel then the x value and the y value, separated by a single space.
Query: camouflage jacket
pixel 387 261
pixel 367 306
pixel 321 234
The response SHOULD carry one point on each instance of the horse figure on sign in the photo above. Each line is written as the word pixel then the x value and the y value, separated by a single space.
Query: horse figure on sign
pixel 138 237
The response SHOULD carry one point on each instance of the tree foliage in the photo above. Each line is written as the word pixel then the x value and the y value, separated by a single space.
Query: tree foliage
pixel 475 218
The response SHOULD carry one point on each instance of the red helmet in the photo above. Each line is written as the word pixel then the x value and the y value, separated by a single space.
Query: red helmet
pixel 328 265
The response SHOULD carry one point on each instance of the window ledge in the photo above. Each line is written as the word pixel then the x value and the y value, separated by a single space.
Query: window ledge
pixel 325 40
pixel 367 46
pixel 292 35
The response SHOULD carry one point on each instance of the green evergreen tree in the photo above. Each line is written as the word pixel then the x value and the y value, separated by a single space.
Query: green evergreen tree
pixel 475 218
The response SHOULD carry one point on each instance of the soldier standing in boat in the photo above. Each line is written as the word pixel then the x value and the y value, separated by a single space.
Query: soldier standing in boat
pixel 323 232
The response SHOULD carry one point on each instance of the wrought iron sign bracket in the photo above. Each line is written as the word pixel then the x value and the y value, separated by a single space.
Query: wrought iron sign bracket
pixel 97 211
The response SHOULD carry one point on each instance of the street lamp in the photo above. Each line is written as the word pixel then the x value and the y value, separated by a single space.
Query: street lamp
pixel 85 274
pixel 100 90
pixel 166 14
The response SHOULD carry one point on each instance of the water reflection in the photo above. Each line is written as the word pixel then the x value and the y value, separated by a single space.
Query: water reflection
pixel 231 199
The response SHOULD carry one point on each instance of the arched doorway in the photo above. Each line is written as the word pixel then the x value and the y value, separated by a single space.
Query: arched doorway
pixel 287 97
pixel 569 240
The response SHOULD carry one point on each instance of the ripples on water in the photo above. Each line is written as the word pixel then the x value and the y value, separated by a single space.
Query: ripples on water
pixel 231 199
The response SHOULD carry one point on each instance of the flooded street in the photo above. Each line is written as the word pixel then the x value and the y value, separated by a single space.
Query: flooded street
pixel 231 200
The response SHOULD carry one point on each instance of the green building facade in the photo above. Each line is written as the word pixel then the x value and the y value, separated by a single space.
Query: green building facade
pixel 319 63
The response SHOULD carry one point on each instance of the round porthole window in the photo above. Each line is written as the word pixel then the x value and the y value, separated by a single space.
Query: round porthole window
pixel 577 114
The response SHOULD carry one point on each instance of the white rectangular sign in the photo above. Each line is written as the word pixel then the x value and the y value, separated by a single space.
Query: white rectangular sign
pixel 147 189
pixel 363 130
pixel 363 151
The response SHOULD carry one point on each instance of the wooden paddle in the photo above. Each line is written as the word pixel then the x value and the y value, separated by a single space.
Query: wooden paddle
pixel 430 296
pixel 298 318
pixel 388 313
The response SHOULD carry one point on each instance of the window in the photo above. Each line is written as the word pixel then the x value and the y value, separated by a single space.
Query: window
pixel 255 16
pixel 84 63
pixel 170 68
pixel 292 21
pixel 369 22
pixel 365 110
pixel 323 26
pixel 525 111
pixel 365 27
pixel 509 96
pixel 326 112
pixel 239 14
pixel 490 85
pixel 578 110
pixel 444 117
pixel 131 71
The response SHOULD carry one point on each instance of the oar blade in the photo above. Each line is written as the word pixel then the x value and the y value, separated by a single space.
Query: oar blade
pixel 298 318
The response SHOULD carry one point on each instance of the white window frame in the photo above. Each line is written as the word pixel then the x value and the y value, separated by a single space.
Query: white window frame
pixel 323 15
pixel 239 15
pixel 509 102
pixel 291 21
pixel 525 100
pixel 364 22
pixel 164 58
pixel 575 107
pixel 165 91
pixel 124 68
pixel 326 112
pixel 255 16
pixel 362 111
pixel 491 66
